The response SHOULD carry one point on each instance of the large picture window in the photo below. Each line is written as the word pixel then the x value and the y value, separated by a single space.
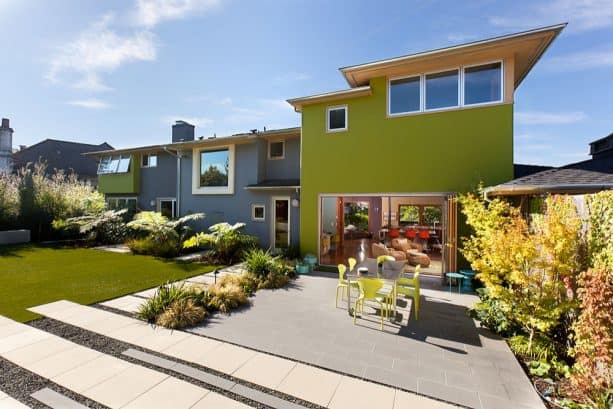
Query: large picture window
pixel 214 166
pixel 213 170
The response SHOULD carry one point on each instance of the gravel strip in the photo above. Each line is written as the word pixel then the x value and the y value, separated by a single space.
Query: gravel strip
pixel 116 348
pixel 19 383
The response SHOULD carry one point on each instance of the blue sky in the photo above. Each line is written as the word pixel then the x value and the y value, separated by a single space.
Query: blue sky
pixel 123 71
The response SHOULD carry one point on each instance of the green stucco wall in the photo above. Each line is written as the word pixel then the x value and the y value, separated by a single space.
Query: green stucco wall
pixel 448 151
pixel 122 182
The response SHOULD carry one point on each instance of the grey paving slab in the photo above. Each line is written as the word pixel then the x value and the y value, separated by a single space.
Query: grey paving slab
pixel 443 344
pixel 56 400
pixel 463 397
pixel 266 399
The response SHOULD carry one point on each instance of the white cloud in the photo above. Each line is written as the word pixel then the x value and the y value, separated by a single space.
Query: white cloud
pixel 292 76
pixel 98 50
pixel 581 14
pixel 149 13
pixel 91 103
pixel 549 118
pixel 196 121
pixel 581 60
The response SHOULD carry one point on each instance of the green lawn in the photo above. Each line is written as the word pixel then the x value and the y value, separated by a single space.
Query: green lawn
pixel 34 274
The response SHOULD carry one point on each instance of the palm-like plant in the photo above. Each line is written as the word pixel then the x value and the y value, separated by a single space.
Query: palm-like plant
pixel 159 227
pixel 225 240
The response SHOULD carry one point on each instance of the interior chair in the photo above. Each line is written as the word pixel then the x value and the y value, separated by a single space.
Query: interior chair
pixel 410 234
pixel 379 249
pixel 409 287
pixel 369 291
pixel 424 236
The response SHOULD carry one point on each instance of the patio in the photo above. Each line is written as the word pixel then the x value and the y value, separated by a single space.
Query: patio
pixel 444 354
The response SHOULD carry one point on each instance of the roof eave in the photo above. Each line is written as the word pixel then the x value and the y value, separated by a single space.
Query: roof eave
pixel 511 190
pixel 356 92
pixel 556 29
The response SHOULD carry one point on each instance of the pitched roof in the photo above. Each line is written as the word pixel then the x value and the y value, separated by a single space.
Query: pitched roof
pixel 64 155
pixel 582 177
pixel 520 170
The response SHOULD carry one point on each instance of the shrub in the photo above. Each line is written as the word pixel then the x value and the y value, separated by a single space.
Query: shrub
pixel 227 294
pixel 593 349
pixel 32 199
pixel 259 262
pixel 248 282
pixel 105 227
pixel 164 296
pixel 490 314
pixel 226 242
pixel 150 247
pixel 181 313
pixel 273 280
pixel 542 348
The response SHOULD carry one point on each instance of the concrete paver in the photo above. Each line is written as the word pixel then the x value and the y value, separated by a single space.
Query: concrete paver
pixel 404 400
pixel 125 386
pixel 266 370
pixel 226 358
pixel 170 393
pixel 127 303
pixel 192 349
pixel 38 350
pixel 64 361
pixel 357 394
pixel 311 384
pixel 216 401
pixel 7 402
pixel 91 373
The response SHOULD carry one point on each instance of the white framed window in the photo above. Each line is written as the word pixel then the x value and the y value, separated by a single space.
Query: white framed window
pixel 114 164
pixel 454 87
pixel 167 206
pixel 337 118
pixel 276 149
pixel 258 212
pixel 213 170
pixel 483 83
pixel 404 95
pixel 442 90
pixel 119 203
pixel 149 161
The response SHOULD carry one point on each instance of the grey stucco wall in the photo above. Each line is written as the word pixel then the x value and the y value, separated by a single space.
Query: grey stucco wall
pixel 287 168
pixel 160 181
pixel 237 207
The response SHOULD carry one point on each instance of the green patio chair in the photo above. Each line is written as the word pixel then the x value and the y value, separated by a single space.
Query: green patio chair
pixel 352 262
pixel 369 288
pixel 410 288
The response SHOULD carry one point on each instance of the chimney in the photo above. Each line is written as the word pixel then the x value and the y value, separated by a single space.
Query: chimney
pixel 6 146
pixel 182 132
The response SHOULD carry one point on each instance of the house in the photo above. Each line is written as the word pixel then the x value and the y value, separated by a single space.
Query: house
pixel 404 139
pixel 252 177
pixel 62 155
pixel 369 166
pixel 578 179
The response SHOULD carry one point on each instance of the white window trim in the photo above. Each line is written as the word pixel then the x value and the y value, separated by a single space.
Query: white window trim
pixel 212 190
pixel 269 151
pixel 332 108
pixel 501 83
pixel 126 198
pixel 389 95
pixel 461 104
pixel 458 104
pixel 148 155
pixel 159 200
pixel 120 157
pixel 258 219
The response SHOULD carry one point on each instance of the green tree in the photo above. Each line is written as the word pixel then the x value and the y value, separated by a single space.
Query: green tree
pixel 214 177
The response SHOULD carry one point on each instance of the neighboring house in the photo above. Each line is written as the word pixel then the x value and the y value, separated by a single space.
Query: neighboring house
pixel 251 178
pixel 521 170
pixel 62 155
pixel 384 158
pixel 589 176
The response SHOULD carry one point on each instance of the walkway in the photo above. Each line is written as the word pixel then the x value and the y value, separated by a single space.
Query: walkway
pixel 306 382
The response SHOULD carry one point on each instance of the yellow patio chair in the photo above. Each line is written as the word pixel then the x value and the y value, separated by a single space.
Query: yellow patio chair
pixel 410 288
pixel 352 262
pixel 368 292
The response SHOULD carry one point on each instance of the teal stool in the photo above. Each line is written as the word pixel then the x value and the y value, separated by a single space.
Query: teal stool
pixel 310 260
pixel 458 278
pixel 468 282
